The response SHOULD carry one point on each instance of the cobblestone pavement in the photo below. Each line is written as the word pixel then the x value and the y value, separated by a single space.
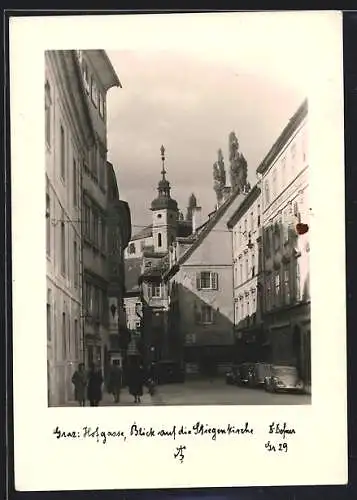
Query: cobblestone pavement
pixel 204 392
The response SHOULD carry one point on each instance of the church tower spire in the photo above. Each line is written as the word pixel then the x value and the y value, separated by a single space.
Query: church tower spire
pixel 164 211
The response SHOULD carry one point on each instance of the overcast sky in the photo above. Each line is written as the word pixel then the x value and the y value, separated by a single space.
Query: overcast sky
pixel 190 103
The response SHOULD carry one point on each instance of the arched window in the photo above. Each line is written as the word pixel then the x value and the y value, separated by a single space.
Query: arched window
pixel 159 239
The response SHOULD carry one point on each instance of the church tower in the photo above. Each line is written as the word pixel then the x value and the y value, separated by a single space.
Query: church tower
pixel 164 213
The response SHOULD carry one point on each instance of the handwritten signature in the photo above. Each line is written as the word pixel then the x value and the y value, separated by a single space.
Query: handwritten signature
pixel 179 453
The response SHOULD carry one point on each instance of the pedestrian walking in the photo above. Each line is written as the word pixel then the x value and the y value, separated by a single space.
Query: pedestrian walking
pixel 79 380
pixel 115 381
pixel 136 380
pixel 95 381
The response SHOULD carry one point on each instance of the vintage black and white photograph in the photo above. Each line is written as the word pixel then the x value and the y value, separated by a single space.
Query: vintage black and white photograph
pixel 174 183
pixel 177 231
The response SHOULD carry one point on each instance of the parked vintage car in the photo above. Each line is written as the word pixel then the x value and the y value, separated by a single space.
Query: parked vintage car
pixel 283 378
pixel 246 371
pixel 232 375
pixel 261 371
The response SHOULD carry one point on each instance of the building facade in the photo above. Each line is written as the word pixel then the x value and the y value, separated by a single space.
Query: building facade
pixel 201 290
pixel 248 277
pixel 119 233
pixel 69 137
pixel 147 258
pixel 285 199
pixel 98 77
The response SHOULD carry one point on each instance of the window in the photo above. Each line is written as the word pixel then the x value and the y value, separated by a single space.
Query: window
pixel 64 337
pixel 62 153
pixel 251 221
pixel 95 161
pixel 241 272
pixel 75 180
pixel 267 242
pixel 159 216
pixel 277 288
pixel 206 314
pixel 104 236
pixel 102 167
pixel 48 103
pixel 132 248
pixel 101 104
pixel 63 248
pixel 253 265
pixel 274 188
pixel 267 193
pixel 69 336
pixel 48 223
pixel 86 219
pixel 239 235
pixel 283 171
pixel 159 240
pixel 248 306
pixel 258 222
pixel 75 264
pixel 241 308
pixel 268 293
pixel 254 302
pixel 155 290
pixel 297 283
pixel 49 313
pixel 245 228
pixel 88 297
pixel 76 339
pixel 286 285
pixel 246 269
pixel 236 312
pixel 95 227
pixel 207 281
pixel 276 236
pixel 94 92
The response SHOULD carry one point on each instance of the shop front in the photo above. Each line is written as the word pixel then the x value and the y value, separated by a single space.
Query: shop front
pixel 290 339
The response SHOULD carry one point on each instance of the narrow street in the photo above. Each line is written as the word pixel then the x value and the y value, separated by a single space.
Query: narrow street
pixel 204 392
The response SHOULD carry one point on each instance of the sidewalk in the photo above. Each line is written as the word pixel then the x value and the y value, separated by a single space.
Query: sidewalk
pixel 125 400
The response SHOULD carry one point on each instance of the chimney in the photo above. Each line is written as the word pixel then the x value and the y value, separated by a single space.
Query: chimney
pixel 227 190
pixel 196 218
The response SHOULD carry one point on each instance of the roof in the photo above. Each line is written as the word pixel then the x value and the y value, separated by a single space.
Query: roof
pixel 146 232
pixel 204 230
pixel 184 229
pixel 163 202
pixel 104 68
pixel 290 128
pixel 247 202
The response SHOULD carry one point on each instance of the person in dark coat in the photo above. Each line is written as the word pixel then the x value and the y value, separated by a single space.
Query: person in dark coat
pixel 115 382
pixel 95 381
pixel 136 381
pixel 79 380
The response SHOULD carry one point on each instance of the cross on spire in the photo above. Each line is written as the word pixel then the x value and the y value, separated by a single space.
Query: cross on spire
pixel 163 171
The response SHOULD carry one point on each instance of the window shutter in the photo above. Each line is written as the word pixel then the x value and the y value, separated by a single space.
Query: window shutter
pixel 215 281
pixel 198 281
